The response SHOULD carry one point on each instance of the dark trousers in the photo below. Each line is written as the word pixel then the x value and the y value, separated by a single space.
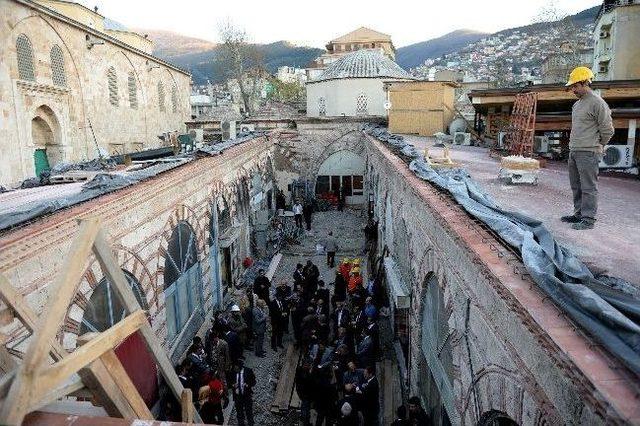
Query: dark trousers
pixel 276 336
pixel 244 410
pixel 371 417
pixel 212 413
pixel 583 177
pixel 331 258
pixel 259 343
pixel 307 220
pixel 298 218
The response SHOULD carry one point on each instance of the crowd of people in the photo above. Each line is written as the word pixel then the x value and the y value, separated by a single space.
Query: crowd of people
pixel 336 331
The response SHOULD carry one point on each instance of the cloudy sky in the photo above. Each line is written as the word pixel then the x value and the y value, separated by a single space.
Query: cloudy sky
pixel 315 23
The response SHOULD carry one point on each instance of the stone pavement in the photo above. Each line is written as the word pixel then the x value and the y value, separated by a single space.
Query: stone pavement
pixel 347 227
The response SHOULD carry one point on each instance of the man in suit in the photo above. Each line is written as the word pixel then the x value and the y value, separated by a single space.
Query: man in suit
pixel 261 286
pixel 340 317
pixel 322 293
pixel 298 277
pixel 276 309
pixel 369 392
pixel 364 350
pixel 242 382
pixel 235 347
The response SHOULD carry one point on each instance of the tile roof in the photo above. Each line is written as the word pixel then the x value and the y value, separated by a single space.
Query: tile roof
pixel 364 63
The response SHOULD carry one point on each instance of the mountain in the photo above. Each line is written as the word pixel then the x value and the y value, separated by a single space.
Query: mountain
pixel 415 54
pixel 198 56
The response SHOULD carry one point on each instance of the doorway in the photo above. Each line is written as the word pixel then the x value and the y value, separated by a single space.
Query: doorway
pixel 45 137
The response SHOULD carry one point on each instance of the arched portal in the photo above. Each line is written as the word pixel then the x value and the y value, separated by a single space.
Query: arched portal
pixel 343 169
pixel 103 310
pixel 45 136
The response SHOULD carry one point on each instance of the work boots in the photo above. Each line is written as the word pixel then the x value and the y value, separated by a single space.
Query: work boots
pixel 570 219
pixel 583 224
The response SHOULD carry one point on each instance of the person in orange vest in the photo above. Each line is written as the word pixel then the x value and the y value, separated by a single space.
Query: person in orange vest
pixel 355 280
pixel 345 268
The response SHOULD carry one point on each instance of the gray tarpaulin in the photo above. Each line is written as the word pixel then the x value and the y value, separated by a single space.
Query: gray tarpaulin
pixel 608 308
pixel 105 183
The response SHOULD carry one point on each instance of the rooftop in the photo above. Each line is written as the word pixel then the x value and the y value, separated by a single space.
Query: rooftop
pixel 612 247
pixel 362 34
pixel 364 63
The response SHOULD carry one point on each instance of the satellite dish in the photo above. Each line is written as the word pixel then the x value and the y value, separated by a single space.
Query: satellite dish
pixel 387 105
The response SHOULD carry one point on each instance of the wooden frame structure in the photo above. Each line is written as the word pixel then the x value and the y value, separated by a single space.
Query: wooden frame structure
pixel 36 382
pixel 522 125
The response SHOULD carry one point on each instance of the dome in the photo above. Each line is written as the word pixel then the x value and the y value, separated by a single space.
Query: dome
pixel 363 63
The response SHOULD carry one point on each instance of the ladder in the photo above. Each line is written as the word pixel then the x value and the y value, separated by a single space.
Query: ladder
pixel 518 138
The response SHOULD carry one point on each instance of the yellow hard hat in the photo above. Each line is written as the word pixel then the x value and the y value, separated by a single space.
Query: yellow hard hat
pixel 579 74
pixel 346 260
pixel 356 261
pixel 355 270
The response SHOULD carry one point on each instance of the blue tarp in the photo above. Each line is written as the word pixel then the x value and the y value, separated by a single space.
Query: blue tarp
pixel 608 308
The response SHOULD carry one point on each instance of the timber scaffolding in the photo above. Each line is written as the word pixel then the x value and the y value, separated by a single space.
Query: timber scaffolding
pixel 94 367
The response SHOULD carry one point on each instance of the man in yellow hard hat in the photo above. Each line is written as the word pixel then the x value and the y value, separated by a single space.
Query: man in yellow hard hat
pixel 591 129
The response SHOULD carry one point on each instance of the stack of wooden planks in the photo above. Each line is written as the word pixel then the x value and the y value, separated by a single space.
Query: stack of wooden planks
pixel 284 390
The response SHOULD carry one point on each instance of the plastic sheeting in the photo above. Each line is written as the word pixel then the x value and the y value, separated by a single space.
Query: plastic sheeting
pixel 608 308
pixel 104 183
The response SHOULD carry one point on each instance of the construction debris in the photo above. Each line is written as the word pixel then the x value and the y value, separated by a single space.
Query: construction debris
pixel 516 169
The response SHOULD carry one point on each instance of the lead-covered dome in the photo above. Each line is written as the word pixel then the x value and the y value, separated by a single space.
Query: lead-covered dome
pixel 364 63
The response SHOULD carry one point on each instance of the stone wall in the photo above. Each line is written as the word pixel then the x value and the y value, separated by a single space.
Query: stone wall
pixel 139 221
pixel 79 112
pixel 501 360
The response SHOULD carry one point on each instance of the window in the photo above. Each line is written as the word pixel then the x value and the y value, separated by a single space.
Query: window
pixel 322 107
pixel 361 104
pixel 322 185
pixel 57 66
pixel 174 99
pixel 182 279
pixel 161 96
pixel 358 186
pixel 105 309
pixel 113 86
pixel 24 52
pixel 133 91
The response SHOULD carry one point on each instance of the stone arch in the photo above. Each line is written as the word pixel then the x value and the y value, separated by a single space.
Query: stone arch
pixel 504 395
pixel 179 214
pixel 338 144
pixel 128 261
pixel 46 138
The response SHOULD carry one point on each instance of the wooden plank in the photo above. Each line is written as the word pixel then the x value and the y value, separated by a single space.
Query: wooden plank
pixel 23 387
pixel 74 386
pixel 7 362
pixel 388 410
pixel 120 376
pixel 114 273
pixel 186 402
pixel 273 266
pixel 98 379
pixel 286 381
pixel 92 350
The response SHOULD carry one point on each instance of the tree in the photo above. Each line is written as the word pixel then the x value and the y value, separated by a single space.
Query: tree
pixel 241 61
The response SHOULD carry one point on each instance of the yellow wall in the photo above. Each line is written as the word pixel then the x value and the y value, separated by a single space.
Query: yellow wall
pixel 76 12
pixel 134 40
pixel 424 108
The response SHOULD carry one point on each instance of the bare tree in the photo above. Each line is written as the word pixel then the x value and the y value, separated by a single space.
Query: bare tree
pixel 239 60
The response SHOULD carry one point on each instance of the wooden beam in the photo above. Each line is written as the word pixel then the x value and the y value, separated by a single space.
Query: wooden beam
pixel 92 350
pixel 120 376
pixel 116 277
pixel 98 379
pixel 23 387
pixel 186 401
pixel 74 386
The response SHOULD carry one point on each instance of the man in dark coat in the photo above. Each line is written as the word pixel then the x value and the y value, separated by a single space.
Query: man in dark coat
pixel 305 386
pixel 276 308
pixel 235 347
pixel 261 286
pixel 298 277
pixel 340 317
pixel 307 212
pixel 242 381
pixel 322 293
pixel 311 275
pixel 417 415
pixel 364 350
pixel 283 294
pixel 369 392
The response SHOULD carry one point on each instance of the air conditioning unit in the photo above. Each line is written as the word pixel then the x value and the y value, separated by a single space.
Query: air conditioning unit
pixel 617 157
pixel 541 144
pixel 228 130
pixel 246 128
pixel 462 138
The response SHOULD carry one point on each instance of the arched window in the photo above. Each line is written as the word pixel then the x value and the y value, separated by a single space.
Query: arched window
pixel 436 345
pixel 133 91
pixel 57 66
pixel 322 107
pixel 182 278
pixel 105 309
pixel 24 52
pixel 496 418
pixel 161 96
pixel 112 81
pixel 174 99
pixel 361 104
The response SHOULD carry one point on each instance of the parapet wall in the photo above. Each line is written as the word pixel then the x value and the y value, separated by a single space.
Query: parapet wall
pixel 495 354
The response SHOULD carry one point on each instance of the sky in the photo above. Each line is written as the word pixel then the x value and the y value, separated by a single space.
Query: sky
pixel 315 23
